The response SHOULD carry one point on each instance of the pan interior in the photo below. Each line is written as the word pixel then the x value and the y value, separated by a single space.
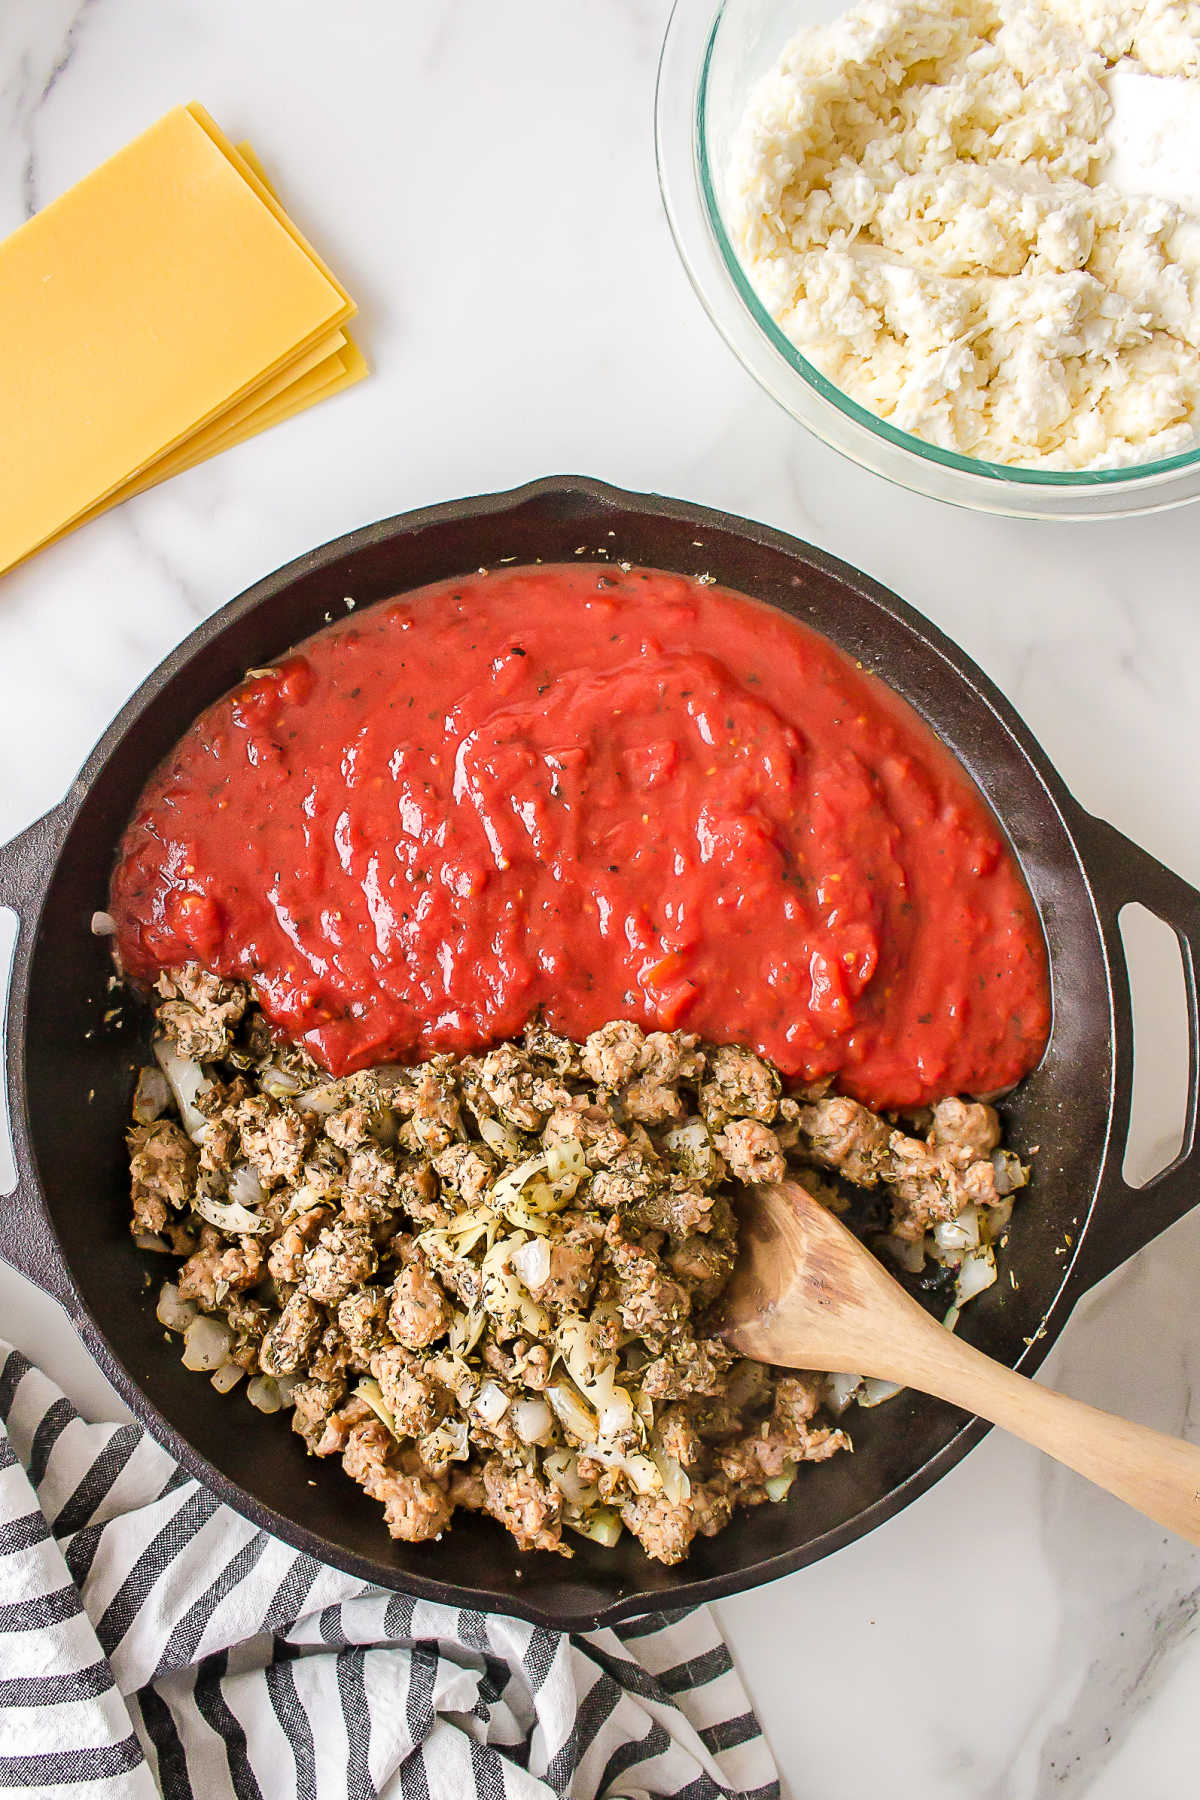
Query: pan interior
pixel 79 1069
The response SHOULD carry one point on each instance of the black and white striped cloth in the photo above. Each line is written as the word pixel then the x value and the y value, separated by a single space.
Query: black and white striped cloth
pixel 152 1641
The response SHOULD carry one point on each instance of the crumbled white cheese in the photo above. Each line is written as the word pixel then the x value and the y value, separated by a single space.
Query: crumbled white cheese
pixel 1153 140
pixel 950 208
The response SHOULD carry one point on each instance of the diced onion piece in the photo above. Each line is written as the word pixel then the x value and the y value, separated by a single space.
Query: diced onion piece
pixel 303 1199
pixel 287 1385
pixel 245 1187
pixel 676 1482
pixel 466 1329
pixel 227 1377
pixel 206 1344
pixel 580 1351
pixel 475 1218
pixel 561 1468
pixel 691 1139
pixel 510 1184
pixel 532 1262
pixel 454 1373
pixel 323 1098
pixel 466 1236
pixel 593 1369
pixel 263 1392
pixel 951 1318
pixel 600 1523
pixel 617 1415
pixel 150 1240
pixel 840 1391
pixel 186 1080
pixel 151 1097
pixel 572 1412
pixel 521 1199
pixel 228 1215
pixel 777 1485
pixel 907 1253
pixel 485 1234
pixel 447 1442
pixel 172 1310
pixel 875 1392
pixel 369 1390
pixel 281 1084
pixel 961 1233
pixel 523 1218
pixel 103 925
pixel 503 1296
pixel 542 1200
pixel 497 1137
pixel 608 1454
pixel 994 1220
pixel 566 1166
pixel 565 1158
pixel 977 1271
pixel 492 1403
pixel 534 1421
pixel 1011 1172
pixel 644 1478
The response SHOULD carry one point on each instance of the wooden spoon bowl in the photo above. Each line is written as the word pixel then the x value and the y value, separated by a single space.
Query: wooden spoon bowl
pixel 806 1294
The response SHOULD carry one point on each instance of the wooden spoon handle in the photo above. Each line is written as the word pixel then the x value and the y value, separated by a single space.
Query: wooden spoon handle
pixel 1158 1475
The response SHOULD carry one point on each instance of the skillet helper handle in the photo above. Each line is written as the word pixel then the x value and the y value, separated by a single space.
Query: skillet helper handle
pixel 27 1241
pixel 1156 1474
pixel 1125 1218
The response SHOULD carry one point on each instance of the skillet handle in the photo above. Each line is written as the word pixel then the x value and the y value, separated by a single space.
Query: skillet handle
pixel 27 1239
pixel 1124 1219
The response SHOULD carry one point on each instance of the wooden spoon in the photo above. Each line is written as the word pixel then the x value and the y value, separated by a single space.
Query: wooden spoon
pixel 806 1294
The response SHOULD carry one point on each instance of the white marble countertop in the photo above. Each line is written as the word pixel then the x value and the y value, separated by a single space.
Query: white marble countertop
pixel 483 178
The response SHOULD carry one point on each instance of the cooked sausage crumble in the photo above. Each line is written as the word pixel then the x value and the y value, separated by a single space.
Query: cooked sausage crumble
pixel 488 1281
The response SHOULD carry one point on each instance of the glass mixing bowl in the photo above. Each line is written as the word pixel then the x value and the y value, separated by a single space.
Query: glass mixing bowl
pixel 710 61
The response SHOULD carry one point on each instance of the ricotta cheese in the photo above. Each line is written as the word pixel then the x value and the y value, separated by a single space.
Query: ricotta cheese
pixel 978 220
pixel 1153 140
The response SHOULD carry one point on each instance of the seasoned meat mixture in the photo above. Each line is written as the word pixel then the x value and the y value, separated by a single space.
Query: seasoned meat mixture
pixel 487 1281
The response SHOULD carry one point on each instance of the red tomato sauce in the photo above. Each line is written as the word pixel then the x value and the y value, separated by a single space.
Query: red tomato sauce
pixel 598 794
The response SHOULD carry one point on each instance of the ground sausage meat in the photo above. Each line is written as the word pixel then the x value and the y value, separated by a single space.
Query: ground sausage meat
pixel 162 1167
pixel 488 1281
pixel 293 1337
pixel 418 1313
pixel 752 1151
pixel 342 1259
pixel 528 1506
pixel 199 1010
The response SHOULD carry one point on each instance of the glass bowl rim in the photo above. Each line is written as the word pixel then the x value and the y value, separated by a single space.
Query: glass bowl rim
pixel 1129 476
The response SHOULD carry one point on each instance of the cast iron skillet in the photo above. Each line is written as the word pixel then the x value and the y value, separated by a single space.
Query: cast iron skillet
pixel 69 1074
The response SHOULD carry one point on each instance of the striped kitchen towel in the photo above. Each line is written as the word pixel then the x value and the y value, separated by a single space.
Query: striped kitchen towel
pixel 154 1642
